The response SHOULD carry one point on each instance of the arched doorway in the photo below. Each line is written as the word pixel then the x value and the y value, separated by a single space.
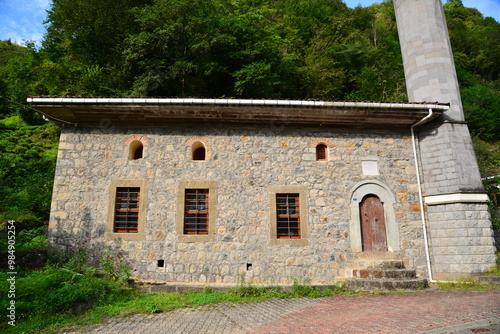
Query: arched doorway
pixel 373 229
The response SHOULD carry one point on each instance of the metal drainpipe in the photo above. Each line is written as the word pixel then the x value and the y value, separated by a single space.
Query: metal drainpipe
pixel 421 201
pixel 420 197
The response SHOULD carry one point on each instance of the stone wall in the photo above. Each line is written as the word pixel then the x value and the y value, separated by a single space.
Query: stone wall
pixel 460 239
pixel 244 163
pixel 448 160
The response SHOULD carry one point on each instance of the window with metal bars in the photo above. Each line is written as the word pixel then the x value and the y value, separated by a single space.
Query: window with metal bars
pixel 196 211
pixel 288 216
pixel 126 210
pixel 321 152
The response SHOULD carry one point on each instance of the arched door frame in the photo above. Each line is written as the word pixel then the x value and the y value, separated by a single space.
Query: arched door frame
pixel 358 192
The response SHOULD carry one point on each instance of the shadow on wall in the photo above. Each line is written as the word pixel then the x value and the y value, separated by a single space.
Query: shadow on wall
pixel 89 248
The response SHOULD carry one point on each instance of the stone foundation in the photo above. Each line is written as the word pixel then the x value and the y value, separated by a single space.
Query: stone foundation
pixel 461 240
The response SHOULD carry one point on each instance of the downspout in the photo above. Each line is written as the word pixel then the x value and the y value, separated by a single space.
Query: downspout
pixel 420 197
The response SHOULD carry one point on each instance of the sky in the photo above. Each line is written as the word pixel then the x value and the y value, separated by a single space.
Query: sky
pixel 22 20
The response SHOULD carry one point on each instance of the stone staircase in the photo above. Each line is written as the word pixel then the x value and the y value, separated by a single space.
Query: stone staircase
pixel 385 276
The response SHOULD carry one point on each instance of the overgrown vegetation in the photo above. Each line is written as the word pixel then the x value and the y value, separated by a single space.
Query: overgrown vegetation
pixel 27 163
pixel 27 239
pixel 52 295
pixel 488 157
pixel 68 294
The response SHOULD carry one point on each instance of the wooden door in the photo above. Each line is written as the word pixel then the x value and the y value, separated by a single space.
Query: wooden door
pixel 373 232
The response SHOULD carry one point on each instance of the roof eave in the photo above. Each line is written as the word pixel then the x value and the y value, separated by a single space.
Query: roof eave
pixel 167 111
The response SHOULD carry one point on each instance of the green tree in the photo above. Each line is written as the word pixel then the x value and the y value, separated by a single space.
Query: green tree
pixel 27 162
pixel 473 40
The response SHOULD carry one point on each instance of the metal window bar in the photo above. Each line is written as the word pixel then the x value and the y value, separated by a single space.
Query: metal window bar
pixel 288 216
pixel 126 210
pixel 196 211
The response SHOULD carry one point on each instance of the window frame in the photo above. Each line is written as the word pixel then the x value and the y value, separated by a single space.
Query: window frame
pixel 301 193
pixel 199 214
pixel 211 188
pixel 127 207
pixel 288 216
pixel 112 207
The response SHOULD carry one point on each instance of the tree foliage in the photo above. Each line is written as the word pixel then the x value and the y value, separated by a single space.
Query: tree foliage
pixel 27 162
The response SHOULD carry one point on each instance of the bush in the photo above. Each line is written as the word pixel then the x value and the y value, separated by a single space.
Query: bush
pixel 53 290
pixel 27 239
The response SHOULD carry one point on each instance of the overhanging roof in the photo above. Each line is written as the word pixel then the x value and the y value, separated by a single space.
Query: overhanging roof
pixel 157 112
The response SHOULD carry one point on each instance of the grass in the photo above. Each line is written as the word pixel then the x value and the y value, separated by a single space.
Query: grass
pixel 465 284
pixel 50 299
pixel 495 271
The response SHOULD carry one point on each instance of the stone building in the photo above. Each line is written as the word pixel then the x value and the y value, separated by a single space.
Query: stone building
pixel 206 190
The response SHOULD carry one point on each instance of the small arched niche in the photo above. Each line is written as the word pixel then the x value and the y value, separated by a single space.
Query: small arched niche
pixel 198 151
pixel 136 150
pixel 321 152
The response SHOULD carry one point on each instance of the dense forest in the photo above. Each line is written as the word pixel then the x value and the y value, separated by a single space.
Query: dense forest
pixel 301 49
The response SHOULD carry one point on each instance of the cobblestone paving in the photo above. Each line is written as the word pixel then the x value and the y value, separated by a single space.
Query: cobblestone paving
pixel 427 312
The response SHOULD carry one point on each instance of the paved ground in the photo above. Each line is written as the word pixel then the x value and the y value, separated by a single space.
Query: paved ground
pixel 424 313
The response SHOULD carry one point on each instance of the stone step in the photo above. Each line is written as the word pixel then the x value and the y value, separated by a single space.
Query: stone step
pixel 394 264
pixel 384 273
pixel 364 284
pixel 379 264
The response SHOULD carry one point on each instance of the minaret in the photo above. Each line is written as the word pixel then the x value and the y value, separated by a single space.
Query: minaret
pixel 459 227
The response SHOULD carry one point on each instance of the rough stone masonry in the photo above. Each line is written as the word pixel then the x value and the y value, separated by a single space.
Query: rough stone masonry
pixel 243 164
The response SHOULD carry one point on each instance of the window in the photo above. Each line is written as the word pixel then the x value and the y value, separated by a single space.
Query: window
pixel 196 211
pixel 199 148
pixel 288 216
pixel 199 152
pixel 127 206
pixel 126 210
pixel 136 150
pixel 321 152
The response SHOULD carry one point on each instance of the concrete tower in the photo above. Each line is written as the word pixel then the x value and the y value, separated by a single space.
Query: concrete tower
pixel 459 228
